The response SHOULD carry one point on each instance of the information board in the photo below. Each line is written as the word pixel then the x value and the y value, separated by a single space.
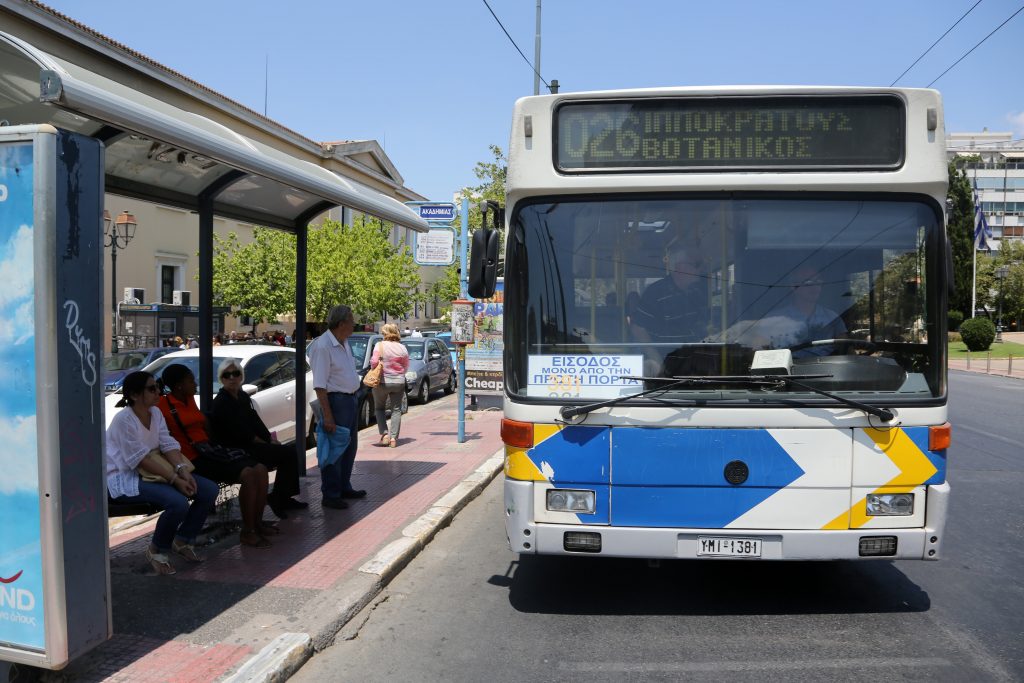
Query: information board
pixel 840 132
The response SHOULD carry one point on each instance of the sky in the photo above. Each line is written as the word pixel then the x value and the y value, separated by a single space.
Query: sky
pixel 434 81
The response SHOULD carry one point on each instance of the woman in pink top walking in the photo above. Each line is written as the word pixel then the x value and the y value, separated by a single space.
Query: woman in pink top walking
pixel 395 357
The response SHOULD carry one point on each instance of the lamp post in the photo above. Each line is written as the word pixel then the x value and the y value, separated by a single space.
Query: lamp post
pixel 1001 273
pixel 116 237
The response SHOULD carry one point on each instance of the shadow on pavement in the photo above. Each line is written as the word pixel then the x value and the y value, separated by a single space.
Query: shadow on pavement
pixel 615 586
pixel 165 607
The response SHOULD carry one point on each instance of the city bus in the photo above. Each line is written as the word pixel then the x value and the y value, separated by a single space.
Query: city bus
pixel 725 323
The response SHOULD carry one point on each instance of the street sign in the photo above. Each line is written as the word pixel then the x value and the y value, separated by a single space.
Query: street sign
pixel 439 212
pixel 434 248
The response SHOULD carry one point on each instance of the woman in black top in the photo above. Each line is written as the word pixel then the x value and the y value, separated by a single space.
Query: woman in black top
pixel 235 423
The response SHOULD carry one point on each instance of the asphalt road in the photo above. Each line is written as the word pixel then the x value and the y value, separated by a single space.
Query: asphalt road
pixel 469 610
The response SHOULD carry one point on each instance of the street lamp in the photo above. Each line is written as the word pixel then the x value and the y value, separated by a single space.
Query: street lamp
pixel 117 237
pixel 1001 273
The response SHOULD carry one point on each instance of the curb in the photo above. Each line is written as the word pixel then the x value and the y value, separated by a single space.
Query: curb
pixel 287 653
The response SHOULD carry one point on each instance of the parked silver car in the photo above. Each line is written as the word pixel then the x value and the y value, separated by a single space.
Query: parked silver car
pixel 430 368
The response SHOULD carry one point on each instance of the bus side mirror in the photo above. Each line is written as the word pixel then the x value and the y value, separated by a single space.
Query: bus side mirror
pixel 483 264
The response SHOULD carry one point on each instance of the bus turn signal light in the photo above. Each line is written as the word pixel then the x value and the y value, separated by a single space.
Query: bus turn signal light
pixel 518 434
pixel 939 437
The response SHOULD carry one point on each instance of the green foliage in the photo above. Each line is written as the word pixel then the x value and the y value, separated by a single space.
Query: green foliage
pixel 978 333
pixel 256 279
pixel 355 265
pixel 955 318
pixel 960 230
pixel 446 288
pixel 1007 295
pixel 358 266
pixel 492 175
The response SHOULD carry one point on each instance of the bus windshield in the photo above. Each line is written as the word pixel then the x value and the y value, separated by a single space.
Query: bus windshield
pixel 663 287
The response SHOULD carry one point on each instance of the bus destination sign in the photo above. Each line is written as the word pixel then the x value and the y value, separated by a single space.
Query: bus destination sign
pixel 731 133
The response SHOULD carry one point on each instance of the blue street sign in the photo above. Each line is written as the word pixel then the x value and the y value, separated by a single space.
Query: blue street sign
pixel 434 211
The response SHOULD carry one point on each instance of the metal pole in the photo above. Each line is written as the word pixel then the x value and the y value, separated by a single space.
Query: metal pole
pixel 463 293
pixel 974 249
pixel 536 55
pixel 113 294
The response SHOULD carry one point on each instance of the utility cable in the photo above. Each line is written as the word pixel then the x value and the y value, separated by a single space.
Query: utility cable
pixel 934 44
pixel 532 67
pixel 1019 10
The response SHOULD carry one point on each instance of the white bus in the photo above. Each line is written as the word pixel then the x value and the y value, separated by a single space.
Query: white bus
pixel 725 323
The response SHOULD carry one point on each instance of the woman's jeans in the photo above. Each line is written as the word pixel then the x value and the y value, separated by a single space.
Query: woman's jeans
pixel 381 394
pixel 178 517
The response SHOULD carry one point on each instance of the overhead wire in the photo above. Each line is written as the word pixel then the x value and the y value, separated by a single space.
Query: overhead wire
pixel 934 44
pixel 1019 10
pixel 532 67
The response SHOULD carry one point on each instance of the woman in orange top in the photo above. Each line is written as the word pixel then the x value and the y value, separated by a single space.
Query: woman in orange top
pixel 188 426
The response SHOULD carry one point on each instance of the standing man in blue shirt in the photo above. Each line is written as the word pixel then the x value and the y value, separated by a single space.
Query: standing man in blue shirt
pixel 335 381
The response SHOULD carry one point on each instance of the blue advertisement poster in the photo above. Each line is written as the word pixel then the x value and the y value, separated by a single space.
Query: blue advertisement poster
pixel 485 357
pixel 21 564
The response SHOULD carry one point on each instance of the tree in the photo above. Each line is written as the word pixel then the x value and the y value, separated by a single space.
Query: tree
pixel 256 279
pixel 1011 289
pixel 492 186
pixel 960 231
pixel 356 265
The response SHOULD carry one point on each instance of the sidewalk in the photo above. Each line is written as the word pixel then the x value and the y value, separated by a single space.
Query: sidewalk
pixel 247 614
pixel 980 362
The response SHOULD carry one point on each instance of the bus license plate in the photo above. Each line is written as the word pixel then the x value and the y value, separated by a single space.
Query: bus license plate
pixel 728 546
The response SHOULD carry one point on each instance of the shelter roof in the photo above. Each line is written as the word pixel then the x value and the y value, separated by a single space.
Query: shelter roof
pixel 170 139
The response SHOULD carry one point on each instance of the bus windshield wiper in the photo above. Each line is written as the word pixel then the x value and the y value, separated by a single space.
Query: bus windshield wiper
pixel 569 412
pixel 882 413
pixel 772 381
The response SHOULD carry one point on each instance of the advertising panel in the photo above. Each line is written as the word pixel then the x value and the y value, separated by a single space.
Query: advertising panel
pixel 484 358
pixel 21 561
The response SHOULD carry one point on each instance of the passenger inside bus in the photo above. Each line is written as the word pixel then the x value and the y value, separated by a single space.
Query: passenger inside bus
pixel 801 320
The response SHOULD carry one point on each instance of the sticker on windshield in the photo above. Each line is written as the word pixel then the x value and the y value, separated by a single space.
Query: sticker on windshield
pixel 584 376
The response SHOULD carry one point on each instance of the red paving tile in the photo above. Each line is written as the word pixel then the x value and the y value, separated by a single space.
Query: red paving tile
pixel 136 659
pixel 318 547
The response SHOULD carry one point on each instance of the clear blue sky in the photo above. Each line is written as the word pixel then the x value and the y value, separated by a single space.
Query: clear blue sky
pixel 434 81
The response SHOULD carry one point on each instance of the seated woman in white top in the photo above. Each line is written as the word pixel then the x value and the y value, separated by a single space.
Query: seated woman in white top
pixel 132 435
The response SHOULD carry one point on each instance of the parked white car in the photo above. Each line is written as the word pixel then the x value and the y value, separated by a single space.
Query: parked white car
pixel 269 377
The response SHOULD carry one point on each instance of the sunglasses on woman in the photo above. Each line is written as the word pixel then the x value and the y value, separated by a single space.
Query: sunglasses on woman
pixel 231 374
pixel 153 388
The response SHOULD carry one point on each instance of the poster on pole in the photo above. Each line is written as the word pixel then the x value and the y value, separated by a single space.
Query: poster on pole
pixel 434 248
pixel 21 560
pixel 485 357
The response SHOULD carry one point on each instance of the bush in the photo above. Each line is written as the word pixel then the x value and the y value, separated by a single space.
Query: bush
pixel 955 319
pixel 978 333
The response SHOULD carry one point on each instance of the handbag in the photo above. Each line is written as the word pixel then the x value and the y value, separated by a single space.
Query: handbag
pixel 155 456
pixel 214 451
pixel 375 375
pixel 206 449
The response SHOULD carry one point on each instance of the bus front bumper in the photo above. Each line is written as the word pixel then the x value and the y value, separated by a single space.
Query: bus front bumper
pixel 527 536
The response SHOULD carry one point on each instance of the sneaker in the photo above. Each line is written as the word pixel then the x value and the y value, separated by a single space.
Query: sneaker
pixel 354 494
pixel 335 503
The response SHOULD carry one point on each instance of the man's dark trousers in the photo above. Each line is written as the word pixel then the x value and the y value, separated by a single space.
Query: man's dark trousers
pixel 336 478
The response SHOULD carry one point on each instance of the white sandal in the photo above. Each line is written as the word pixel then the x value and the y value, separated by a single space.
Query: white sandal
pixel 161 563
pixel 186 550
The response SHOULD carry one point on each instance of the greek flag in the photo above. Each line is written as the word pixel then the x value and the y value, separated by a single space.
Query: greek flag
pixel 982 233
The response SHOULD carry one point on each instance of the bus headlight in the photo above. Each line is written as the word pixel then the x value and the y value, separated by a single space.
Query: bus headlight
pixel 569 500
pixel 890 504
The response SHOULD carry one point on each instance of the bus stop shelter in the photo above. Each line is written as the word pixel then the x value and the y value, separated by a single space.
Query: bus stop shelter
pixel 166 151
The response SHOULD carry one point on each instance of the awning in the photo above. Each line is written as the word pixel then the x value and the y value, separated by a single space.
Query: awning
pixel 159 152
